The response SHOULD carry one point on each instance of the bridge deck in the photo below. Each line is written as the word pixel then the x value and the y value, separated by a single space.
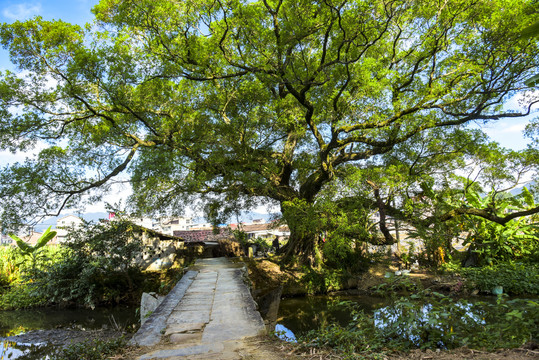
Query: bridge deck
pixel 210 306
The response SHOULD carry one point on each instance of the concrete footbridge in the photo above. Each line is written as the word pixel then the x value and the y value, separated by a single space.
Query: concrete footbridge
pixel 206 314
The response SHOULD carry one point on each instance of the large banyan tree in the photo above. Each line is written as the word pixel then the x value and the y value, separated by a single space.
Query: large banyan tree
pixel 235 101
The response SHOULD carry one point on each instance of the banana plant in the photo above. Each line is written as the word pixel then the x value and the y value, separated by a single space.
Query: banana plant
pixel 493 242
pixel 30 251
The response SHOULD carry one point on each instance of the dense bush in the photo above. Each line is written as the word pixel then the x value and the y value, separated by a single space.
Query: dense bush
pixel 395 285
pixel 323 280
pixel 94 266
pixel 343 253
pixel 17 279
pixel 9 270
pixel 516 279
pixel 21 296
pixel 97 267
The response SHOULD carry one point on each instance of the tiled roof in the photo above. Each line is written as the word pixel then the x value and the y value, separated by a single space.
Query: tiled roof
pixel 201 235
pixel 261 227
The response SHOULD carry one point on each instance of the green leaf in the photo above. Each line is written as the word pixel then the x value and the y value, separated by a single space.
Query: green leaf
pixel 531 31
pixel 528 197
pixel 23 246
pixel 45 238
pixel 473 198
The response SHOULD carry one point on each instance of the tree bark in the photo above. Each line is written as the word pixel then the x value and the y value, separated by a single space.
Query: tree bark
pixel 302 249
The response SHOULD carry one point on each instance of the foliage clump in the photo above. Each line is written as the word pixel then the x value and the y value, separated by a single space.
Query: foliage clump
pixel 92 350
pixel 429 320
pixel 95 266
pixel 515 278
pixel 17 276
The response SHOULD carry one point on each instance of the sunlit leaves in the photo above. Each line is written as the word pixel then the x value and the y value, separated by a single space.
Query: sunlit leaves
pixel 271 99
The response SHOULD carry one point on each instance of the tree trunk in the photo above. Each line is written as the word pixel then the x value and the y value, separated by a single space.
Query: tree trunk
pixel 302 248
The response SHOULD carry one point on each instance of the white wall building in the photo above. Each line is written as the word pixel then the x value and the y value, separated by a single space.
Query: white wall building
pixel 65 224
pixel 5 240
pixel 145 222
pixel 167 225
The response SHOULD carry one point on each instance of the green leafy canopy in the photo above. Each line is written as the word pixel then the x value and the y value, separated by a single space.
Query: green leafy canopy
pixel 246 101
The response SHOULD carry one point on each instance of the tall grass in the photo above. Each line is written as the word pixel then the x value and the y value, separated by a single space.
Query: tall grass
pixel 10 260
pixel 16 276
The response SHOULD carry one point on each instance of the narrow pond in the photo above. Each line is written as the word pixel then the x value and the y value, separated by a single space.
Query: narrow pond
pixel 297 316
pixel 22 332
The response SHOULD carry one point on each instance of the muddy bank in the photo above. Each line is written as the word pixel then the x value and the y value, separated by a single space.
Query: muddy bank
pixel 266 275
pixel 63 337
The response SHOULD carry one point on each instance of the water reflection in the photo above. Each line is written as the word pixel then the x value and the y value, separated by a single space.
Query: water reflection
pixel 44 330
pixel 284 334
pixel 399 320
pixel 303 314
pixel 297 316
pixel 438 321
pixel 13 322
pixel 24 351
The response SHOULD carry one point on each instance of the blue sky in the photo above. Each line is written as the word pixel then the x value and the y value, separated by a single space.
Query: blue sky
pixel 507 132
pixel 77 11
pixel 73 11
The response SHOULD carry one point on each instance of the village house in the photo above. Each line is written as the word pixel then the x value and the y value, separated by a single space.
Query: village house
pixel 64 225
pixel 168 225
pixel 261 229
pixel 6 240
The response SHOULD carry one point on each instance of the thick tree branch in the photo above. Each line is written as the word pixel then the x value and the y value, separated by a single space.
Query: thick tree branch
pixel 390 240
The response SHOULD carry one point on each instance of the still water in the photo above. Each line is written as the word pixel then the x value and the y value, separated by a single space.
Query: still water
pixel 57 322
pixel 299 315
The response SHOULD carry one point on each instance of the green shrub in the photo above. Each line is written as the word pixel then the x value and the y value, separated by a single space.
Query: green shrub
pixel 21 296
pixel 394 285
pixel 516 279
pixel 18 288
pixel 262 245
pixel 96 268
pixel 323 280
pixel 34 254
pixel 346 254
pixel 9 270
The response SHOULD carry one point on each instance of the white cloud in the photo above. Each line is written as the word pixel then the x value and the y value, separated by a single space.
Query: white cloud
pixel 21 11
pixel 118 194
pixel 8 158
pixel 520 101
pixel 518 128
